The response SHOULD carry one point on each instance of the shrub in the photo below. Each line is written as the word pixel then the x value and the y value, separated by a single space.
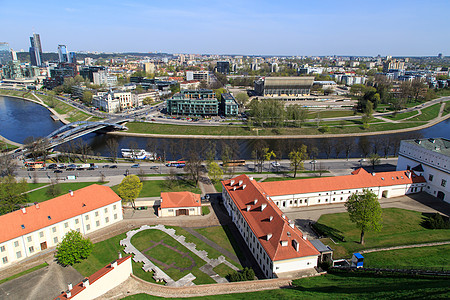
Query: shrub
pixel 244 275
pixel 436 221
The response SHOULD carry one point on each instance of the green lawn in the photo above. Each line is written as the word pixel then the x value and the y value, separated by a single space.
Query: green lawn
pixel 344 286
pixel 218 186
pixel 32 186
pixel 153 188
pixel 431 257
pixel 142 241
pixel 5 147
pixel 446 108
pixel 402 116
pixel 222 236
pixel 24 272
pixel 443 92
pixel 330 114
pixel 41 195
pixel 205 210
pixel 223 270
pixel 400 227
pixel 428 113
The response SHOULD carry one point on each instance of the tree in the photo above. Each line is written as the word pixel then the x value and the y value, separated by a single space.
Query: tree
pixel 241 99
pixel 87 97
pixel 83 149
pixel 147 100
pixel 73 248
pixel 129 189
pixel 12 194
pixel 112 145
pixel 297 157
pixel 53 189
pixel 193 166
pixel 365 211
pixel 215 173
pixel 7 165
pixel 374 159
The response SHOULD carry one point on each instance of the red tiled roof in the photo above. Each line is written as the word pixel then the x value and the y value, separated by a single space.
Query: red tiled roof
pixel 261 224
pixel 78 288
pixel 360 179
pixel 55 210
pixel 180 199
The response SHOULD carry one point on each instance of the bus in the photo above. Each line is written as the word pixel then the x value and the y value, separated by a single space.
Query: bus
pixel 178 164
pixel 234 163
pixel 33 165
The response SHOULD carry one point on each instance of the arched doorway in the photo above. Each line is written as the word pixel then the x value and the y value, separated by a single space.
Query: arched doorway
pixel 441 195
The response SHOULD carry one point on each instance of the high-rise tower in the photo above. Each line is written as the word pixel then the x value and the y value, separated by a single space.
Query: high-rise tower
pixel 63 54
pixel 35 50
pixel 5 53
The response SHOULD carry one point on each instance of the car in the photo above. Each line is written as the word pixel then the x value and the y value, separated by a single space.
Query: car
pixel 135 166
pixel 72 166
pixel 57 171
pixel 18 150
pixel 113 167
pixel 52 166
pixel 275 164
pixel 70 169
pixel 154 168
pixel 105 166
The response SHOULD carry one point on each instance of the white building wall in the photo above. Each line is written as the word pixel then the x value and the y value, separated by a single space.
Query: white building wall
pixel 30 244
pixel 295 264
pixel 172 212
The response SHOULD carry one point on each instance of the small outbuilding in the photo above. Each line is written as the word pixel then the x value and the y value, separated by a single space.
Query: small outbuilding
pixel 180 203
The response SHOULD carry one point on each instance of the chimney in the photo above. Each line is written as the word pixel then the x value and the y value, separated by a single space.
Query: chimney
pixel 283 216
pixel 71 193
pixel 270 218
pixel 241 182
pixel 295 244
pixel 248 207
pixel 251 178
pixel 269 235
pixel 291 223
pixel 86 282
pixel 36 205
pixel 234 188
pixel 284 243
pixel 264 205
pixel 120 255
pixel 305 237
pixel 256 201
pixel 114 264
pixel 69 294
pixel 69 286
pixel 408 173
pixel 24 210
pixel 231 182
pixel 243 187
pixel 373 174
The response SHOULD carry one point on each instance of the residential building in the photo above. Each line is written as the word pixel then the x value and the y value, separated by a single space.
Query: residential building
pixel 5 53
pixel 393 64
pixel 430 158
pixel 32 229
pixel 180 203
pixel 36 50
pixel 277 245
pixel 197 75
pixel 190 85
pixel 228 105
pixel 283 86
pixel 223 67
pixel 139 98
pixel 63 54
pixel 193 103
pixel 149 67
pixel 106 102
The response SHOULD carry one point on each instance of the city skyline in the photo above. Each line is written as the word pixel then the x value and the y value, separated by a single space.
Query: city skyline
pixel 398 28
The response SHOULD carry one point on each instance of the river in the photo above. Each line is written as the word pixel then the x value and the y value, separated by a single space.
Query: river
pixel 20 119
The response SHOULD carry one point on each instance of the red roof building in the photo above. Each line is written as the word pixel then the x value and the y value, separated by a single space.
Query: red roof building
pixel 179 203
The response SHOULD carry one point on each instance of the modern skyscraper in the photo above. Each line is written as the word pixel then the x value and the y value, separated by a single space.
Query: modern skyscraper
pixel 5 53
pixel 36 50
pixel 63 54
pixel 72 57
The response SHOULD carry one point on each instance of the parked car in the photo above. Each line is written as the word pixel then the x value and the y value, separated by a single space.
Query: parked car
pixel 57 171
pixel 105 166
pixel 52 166
pixel 135 166
pixel 275 164
pixel 113 167
pixel 154 168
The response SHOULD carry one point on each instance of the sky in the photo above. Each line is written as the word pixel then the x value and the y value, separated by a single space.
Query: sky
pixel 312 28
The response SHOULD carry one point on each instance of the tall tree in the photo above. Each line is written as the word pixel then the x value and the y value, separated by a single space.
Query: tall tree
pixel 215 173
pixel 7 165
pixel 297 157
pixel 194 166
pixel 129 189
pixel 364 210
pixel 83 149
pixel 12 193
pixel 374 159
pixel 112 144
pixel 348 145
pixel 73 248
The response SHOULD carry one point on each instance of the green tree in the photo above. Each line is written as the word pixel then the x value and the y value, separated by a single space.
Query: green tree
pixel 147 100
pixel 297 157
pixel 12 194
pixel 365 211
pixel 241 99
pixel 53 189
pixel 73 248
pixel 215 173
pixel 374 159
pixel 129 189
pixel 219 92
pixel 87 97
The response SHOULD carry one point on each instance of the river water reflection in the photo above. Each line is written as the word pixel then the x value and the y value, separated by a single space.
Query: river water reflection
pixel 20 119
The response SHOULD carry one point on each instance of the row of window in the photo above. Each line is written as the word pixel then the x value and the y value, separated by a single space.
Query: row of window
pixel 443 181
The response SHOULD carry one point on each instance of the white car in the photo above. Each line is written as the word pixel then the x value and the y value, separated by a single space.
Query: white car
pixel 275 164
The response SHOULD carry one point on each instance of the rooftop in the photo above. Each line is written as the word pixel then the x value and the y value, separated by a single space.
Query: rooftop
pixel 180 199
pixel 439 145
pixel 47 213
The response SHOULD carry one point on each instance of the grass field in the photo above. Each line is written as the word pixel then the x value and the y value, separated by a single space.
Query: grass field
pixel 222 236
pixel 428 113
pixel 153 188
pixel 344 286
pixel 223 270
pixel 443 92
pixel 400 227
pixel 205 210
pixel 431 257
pixel 402 116
pixel 41 195
pixel 24 272
pixel 32 186
pixel 331 114
pixel 446 108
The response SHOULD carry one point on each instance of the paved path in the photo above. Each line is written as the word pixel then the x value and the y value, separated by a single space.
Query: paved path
pixel 386 119
pixel 405 247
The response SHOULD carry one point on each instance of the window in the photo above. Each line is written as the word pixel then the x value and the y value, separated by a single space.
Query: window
pixel 96 213
pixel 55 240
pixel 106 210
pixel 115 216
pixel 54 229
pixel 76 221
pixel 5 260
pixel 430 177
pixel 66 225
pixel 41 234
pixel 29 239
pixel 318 201
pixel 31 249
pixel 16 244
pixel 88 227
pixel 86 217
pixel 97 223
pixel 19 254
pixel 114 207
pixel 2 248
pixel 106 220
pixel 443 182
pixel 170 210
